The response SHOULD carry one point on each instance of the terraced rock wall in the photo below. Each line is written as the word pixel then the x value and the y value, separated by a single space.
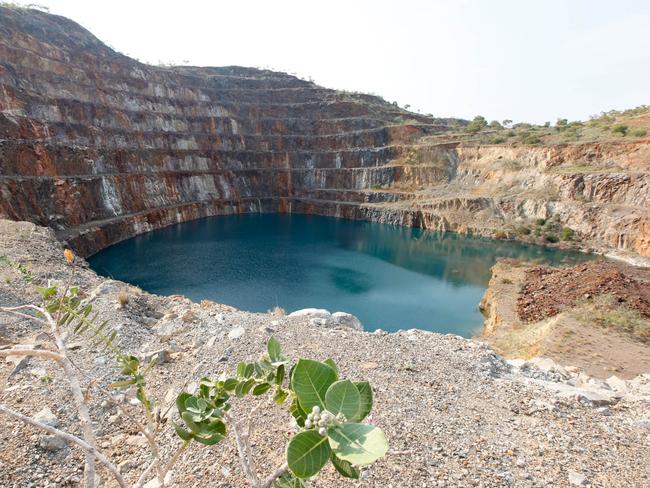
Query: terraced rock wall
pixel 100 148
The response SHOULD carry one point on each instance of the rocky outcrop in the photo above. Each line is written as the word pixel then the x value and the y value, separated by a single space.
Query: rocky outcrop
pixel 101 147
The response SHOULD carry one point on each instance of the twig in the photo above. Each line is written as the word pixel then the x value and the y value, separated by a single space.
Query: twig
pixel 90 450
pixel 145 474
pixel 275 475
pixel 175 457
pixel 43 353
pixel 244 453
pixel 15 311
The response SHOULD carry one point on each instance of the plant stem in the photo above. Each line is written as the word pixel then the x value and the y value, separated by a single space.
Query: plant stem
pixel 243 449
pixel 274 476
pixel 90 450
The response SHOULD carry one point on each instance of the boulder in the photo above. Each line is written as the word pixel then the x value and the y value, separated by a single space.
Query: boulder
pixel 311 312
pixel 344 319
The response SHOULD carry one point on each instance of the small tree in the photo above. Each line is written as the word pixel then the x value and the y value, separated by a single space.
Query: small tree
pixel 478 124
pixel 620 129
pixel 495 125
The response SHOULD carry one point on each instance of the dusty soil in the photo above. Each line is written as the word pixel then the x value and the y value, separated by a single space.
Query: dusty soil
pixel 590 334
pixel 547 291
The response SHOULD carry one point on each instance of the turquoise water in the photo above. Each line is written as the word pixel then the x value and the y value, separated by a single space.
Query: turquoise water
pixel 390 277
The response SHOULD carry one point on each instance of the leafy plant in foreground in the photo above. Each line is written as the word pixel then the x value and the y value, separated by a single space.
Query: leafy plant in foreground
pixel 328 412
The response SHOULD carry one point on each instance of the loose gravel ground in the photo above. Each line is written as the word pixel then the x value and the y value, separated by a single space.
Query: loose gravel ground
pixel 454 412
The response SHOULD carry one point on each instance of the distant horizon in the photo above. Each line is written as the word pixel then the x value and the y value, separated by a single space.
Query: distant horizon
pixel 533 63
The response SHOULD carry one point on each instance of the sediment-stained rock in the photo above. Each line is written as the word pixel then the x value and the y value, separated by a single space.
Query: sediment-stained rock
pixel 101 147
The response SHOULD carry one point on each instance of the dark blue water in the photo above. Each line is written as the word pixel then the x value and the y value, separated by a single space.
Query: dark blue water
pixel 390 277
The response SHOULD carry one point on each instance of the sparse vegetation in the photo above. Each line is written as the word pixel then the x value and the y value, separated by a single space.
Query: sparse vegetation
pixel 478 124
pixel 278 311
pixel 620 129
pixel 552 238
pixel 637 132
pixel 567 234
pixel 523 230
pixel 606 311
pixel 501 234
pixel 123 298
pixel 506 281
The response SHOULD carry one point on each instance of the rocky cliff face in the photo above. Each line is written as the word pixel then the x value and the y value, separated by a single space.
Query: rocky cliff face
pixel 101 147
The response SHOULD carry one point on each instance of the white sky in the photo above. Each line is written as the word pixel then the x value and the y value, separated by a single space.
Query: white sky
pixel 532 60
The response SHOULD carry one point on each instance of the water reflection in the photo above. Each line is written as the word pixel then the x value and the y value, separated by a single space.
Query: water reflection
pixel 390 277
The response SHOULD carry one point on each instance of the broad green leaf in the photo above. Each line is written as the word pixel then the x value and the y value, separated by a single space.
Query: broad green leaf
pixel 180 402
pixel 280 395
pixel 249 370
pixel 248 384
pixel 365 401
pixel 330 362
pixel 310 381
pixel 212 428
pixel 344 468
pixel 307 453
pixel 230 384
pixel 188 418
pixel 121 384
pixel 261 389
pixel 358 444
pixel 288 480
pixel 241 367
pixel 342 397
pixel 182 433
pixel 279 375
pixel 274 349
pixel 209 441
pixel 297 412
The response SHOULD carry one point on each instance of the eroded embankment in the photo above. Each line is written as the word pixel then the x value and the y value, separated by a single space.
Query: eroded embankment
pixel 594 315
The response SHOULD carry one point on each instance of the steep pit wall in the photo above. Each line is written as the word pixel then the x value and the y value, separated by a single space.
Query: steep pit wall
pixel 100 148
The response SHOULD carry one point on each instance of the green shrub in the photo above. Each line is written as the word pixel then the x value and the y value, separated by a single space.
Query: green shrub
pixel 638 132
pixel 551 238
pixel 619 129
pixel 523 230
pixel 478 124
pixel 540 221
pixel 495 124
pixel 561 124
pixel 498 140
pixel 567 234
pixel 501 234
pixel 506 281
pixel 529 138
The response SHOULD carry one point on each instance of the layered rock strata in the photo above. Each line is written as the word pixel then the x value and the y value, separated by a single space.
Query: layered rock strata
pixel 101 147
